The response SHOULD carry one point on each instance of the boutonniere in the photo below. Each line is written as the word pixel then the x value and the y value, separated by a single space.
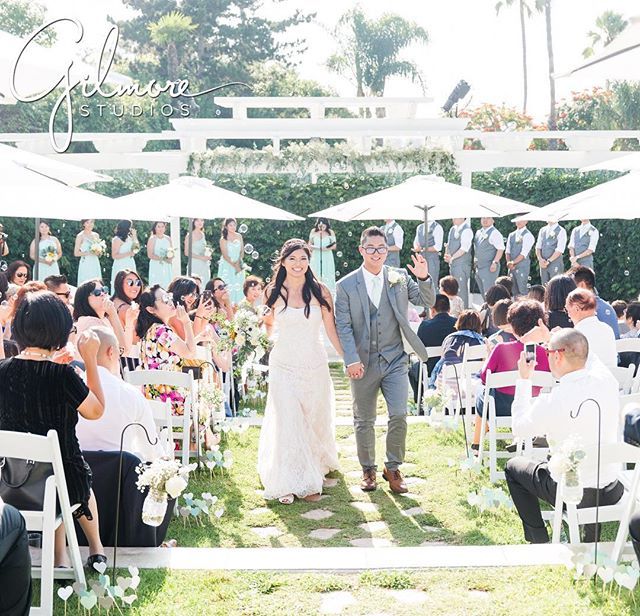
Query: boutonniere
pixel 519 238
pixel 552 234
pixel 395 278
pixel 456 234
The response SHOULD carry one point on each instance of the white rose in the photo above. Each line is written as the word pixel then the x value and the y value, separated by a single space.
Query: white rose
pixel 394 277
pixel 175 486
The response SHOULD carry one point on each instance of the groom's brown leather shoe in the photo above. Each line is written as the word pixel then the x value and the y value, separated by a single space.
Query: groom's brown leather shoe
pixel 396 481
pixel 368 483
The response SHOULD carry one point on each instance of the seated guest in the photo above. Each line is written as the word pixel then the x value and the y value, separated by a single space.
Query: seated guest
pixel 15 300
pixel 565 412
pixel 450 286
pixel 585 278
pixel 432 332
pixel 581 308
pixel 92 307
pixel 468 327
pixel 200 308
pixel 59 286
pixel 221 299
pixel 506 282
pixel 537 292
pixel 15 563
pixel 499 317
pixel 38 395
pixel 632 320
pixel 523 316
pixel 252 290
pixel 620 306
pixel 558 288
pixel 493 295
pixel 123 404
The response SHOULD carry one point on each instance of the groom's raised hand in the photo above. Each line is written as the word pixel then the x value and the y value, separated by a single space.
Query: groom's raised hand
pixel 420 268
pixel 355 371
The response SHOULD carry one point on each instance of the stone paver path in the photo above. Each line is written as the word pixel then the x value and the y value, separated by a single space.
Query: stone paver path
pixel 409 596
pixel 323 534
pixel 317 514
pixel 335 602
pixel 365 507
pixel 374 527
pixel 266 531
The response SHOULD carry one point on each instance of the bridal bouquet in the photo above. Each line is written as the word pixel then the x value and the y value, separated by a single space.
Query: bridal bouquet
pixel 208 251
pixel 49 255
pixel 169 253
pixel 565 464
pixel 164 478
pixel 98 248
pixel 135 246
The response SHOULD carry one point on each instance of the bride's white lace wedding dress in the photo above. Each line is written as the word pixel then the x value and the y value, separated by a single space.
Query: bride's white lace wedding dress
pixel 297 440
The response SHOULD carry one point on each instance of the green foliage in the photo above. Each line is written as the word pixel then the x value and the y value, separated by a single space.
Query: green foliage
pixel 369 50
pixel 394 580
pixel 21 18
pixel 608 25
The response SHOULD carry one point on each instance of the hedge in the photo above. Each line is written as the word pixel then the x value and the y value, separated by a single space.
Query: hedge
pixel 615 262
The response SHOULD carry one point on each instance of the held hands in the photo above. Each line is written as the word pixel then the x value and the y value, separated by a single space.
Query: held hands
pixel 526 368
pixel 419 269
pixel 88 345
pixel 355 371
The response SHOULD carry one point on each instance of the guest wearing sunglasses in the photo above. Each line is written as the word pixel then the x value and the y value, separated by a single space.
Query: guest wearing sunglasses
pixel 220 295
pixel 127 287
pixel 18 272
pixel 199 307
pixel 59 286
pixel 92 307
pixel 161 347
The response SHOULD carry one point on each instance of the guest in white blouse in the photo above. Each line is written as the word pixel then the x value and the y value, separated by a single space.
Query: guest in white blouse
pixel 124 404
pixel 581 308
pixel 571 409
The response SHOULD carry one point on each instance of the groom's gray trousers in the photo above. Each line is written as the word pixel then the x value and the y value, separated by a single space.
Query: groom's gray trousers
pixel 391 379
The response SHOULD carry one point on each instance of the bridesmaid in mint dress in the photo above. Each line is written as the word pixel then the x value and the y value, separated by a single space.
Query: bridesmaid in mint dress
pixel 160 253
pixel 124 246
pixel 49 252
pixel 322 241
pixel 230 265
pixel 89 266
pixel 200 263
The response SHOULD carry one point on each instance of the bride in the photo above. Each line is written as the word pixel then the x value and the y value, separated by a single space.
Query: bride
pixel 297 441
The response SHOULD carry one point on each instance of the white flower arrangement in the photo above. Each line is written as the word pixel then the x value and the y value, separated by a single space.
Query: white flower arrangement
pixel 208 251
pixel 164 477
pixel 394 277
pixel 135 247
pixel 98 248
pixel 211 402
pixel 169 253
pixel 564 466
pixel 49 255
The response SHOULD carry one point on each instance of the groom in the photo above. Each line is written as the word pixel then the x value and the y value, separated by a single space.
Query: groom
pixel 372 319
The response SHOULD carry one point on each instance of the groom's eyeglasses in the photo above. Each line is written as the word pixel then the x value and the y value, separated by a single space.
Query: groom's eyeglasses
pixel 370 250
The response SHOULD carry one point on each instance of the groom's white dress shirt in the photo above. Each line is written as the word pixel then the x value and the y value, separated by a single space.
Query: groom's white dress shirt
pixel 374 283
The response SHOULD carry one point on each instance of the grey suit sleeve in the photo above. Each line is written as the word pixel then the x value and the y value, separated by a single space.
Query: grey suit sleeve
pixel 421 293
pixel 344 328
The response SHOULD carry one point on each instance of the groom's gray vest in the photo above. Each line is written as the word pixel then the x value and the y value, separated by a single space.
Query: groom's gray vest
pixel 386 337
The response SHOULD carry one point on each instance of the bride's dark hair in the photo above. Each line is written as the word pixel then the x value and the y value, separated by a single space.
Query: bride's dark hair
pixel 311 287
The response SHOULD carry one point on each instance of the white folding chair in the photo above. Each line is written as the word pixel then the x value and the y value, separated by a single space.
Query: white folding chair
pixel 473 357
pixel 423 374
pixel 162 418
pixel 47 449
pixel 628 345
pixel 493 422
pixel 621 512
pixel 624 376
pixel 175 379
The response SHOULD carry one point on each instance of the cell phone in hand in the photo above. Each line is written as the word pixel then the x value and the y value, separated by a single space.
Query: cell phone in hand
pixel 530 352
pixel 206 296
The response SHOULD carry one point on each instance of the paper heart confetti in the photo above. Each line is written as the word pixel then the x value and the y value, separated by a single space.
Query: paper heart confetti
pixel 134 582
pixel 89 601
pixel 104 580
pixel 123 583
pixel 129 599
pixel 605 574
pixel 78 588
pixel 625 580
pixel 590 570
pixel 106 602
pixel 65 592
pixel 100 567
pixel 133 571
pixel 117 591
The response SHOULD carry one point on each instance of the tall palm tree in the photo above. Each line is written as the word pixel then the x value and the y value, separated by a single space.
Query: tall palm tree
pixel 369 50
pixel 608 26
pixel 525 11
pixel 544 6
pixel 168 32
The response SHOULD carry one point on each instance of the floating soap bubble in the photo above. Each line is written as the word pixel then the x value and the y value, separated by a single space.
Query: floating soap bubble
pixel 243 191
pixel 362 224
pixel 255 255
pixel 268 279
pixel 626 272
pixel 217 111
pixel 345 265
pixel 248 248
pixel 339 255
pixel 350 234
pixel 243 228
pixel 278 232
pixel 337 274
pixel 529 279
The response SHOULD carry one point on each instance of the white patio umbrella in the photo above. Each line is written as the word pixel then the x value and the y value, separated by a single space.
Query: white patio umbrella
pixel 616 199
pixel 40 67
pixel 194 197
pixel 620 59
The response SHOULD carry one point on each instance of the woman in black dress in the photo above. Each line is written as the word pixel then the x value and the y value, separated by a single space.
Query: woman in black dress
pixel 558 288
pixel 38 395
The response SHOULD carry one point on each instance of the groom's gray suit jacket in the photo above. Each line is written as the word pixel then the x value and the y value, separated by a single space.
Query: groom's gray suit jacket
pixel 353 315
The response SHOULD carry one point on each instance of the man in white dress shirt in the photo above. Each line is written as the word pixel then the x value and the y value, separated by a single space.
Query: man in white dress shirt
pixel 458 255
pixel 394 235
pixel 124 404
pixel 581 308
pixel 430 248
pixel 488 247
pixel 550 246
pixel 571 409
pixel 582 244
pixel 518 253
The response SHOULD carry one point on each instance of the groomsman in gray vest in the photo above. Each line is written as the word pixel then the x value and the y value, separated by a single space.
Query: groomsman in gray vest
pixel 489 248
pixel 552 240
pixel 371 318
pixel 395 238
pixel 430 250
pixel 582 244
pixel 519 245
pixel 458 255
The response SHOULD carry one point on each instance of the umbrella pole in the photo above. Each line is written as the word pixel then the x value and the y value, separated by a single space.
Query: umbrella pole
pixel 36 250
pixel 190 249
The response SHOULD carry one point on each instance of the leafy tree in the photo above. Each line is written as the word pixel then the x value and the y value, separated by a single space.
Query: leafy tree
pixel 168 32
pixel 608 26
pixel 525 11
pixel 21 18
pixel 493 118
pixel 369 50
